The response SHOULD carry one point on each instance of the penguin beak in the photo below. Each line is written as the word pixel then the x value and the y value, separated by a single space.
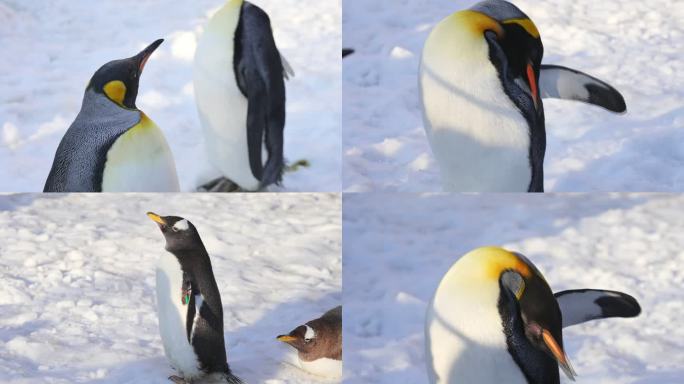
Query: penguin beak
pixel 532 81
pixel 286 338
pixel 558 354
pixel 156 218
pixel 142 57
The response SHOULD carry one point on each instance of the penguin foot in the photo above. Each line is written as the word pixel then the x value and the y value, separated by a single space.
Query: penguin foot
pixel 178 380
pixel 221 184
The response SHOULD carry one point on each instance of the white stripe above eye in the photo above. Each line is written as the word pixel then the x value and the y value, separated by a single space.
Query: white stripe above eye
pixel 310 333
pixel 181 225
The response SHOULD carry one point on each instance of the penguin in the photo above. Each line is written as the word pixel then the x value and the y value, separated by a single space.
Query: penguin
pixel 239 81
pixel 346 52
pixel 494 319
pixel 189 305
pixel 319 344
pixel 481 85
pixel 112 146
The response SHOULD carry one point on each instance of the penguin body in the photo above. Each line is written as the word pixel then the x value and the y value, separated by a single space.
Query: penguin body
pixel 481 97
pixel 112 146
pixel 240 95
pixel 189 305
pixel 319 344
pixel 494 319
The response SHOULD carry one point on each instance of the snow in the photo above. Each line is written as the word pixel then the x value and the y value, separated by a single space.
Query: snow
pixel 78 281
pixel 51 49
pixel 634 46
pixel 397 247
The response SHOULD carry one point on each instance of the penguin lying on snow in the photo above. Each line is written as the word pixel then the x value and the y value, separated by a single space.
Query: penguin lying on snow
pixel 482 84
pixel 189 305
pixel 112 146
pixel 240 95
pixel 494 319
pixel 319 344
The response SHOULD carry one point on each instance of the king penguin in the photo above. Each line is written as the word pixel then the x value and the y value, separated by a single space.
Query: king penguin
pixel 481 83
pixel 112 146
pixel 239 81
pixel 319 344
pixel 494 319
pixel 189 305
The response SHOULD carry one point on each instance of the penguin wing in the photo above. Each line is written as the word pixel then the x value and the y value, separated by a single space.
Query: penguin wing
pixel 346 52
pixel 569 84
pixel 288 72
pixel 80 159
pixel 582 305
pixel 259 69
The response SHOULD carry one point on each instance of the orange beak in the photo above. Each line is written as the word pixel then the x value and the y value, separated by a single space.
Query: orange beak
pixel 558 354
pixel 533 85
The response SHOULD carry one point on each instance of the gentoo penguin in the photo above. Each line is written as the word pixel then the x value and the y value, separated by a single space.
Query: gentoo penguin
pixel 189 305
pixel 319 344
pixel 494 319
pixel 240 95
pixel 112 146
pixel 481 83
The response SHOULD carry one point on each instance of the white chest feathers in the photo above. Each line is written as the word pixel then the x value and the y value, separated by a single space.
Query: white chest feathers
pixel 140 160
pixel 464 337
pixel 172 318
pixel 221 106
pixel 324 367
pixel 477 134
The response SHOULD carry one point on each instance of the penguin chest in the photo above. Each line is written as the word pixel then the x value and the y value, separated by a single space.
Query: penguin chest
pixel 221 106
pixel 466 342
pixel 323 367
pixel 478 136
pixel 173 316
pixel 140 160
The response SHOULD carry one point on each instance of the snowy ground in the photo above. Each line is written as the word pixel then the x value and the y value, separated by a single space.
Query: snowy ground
pixel 50 49
pixel 397 248
pixel 634 45
pixel 77 272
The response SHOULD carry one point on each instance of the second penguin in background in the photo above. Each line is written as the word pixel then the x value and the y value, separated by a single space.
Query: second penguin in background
pixel 240 95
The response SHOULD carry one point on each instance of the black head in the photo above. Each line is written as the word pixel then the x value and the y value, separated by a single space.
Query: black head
pixel 180 234
pixel 119 79
pixel 302 338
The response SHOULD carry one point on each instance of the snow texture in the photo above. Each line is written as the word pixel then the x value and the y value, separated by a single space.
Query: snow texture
pixel 398 247
pixel 50 49
pixel 78 282
pixel 633 45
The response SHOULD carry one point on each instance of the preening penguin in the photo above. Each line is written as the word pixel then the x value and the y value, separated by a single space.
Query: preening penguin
pixel 494 319
pixel 319 344
pixel 481 82
pixel 112 146
pixel 189 305
pixel 240 95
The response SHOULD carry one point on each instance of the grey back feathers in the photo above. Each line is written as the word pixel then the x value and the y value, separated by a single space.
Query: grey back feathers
pixel 81 156
pixel 582 305
pixel 499 10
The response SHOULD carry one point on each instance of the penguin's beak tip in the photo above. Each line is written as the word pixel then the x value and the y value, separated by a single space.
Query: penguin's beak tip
pixel 156 218
pixel 145 54
pixel 285 338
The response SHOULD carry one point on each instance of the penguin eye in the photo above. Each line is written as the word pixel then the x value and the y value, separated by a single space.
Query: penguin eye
pixel 307 340
pixel 174 229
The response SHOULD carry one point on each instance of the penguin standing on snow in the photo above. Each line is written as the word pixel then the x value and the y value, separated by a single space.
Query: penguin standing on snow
pixel 240 95
pixel 319 344
pixel 494 319
pixel 189 305
pixel 481 82
pixel 112 146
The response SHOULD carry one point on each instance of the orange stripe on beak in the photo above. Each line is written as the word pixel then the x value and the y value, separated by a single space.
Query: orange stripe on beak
pixel 533 85
pixel 558 354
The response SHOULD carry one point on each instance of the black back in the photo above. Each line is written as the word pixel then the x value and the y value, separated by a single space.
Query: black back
pixel 259 74
pixel 80 159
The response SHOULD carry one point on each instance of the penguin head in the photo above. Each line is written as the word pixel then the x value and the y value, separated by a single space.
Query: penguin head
pixel 180 234
pixel 513 45
pixel 524 295
pixel 119 79
pixel 302 338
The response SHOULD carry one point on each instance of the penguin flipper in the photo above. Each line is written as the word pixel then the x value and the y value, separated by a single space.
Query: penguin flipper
pixel 261 69
pixel 288 72
pixel 582 305
pixel 560 82
pixel 346 52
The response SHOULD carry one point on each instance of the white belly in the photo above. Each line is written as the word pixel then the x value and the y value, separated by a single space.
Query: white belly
pixel 222 108
pixel 172 318
pixel 140 160
pixel 325 367
pixel 478 136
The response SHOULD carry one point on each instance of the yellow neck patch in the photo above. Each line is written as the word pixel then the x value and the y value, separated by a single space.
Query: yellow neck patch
pixel 116 91
pixel 475 22
pixel 527 24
